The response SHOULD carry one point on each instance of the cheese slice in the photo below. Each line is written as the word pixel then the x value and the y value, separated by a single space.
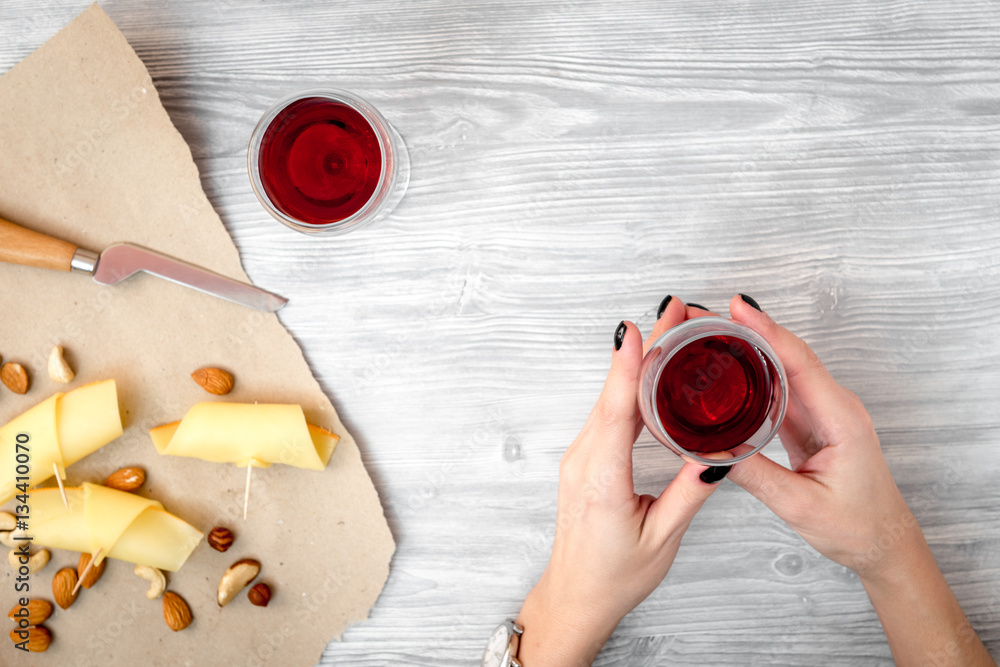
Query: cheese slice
pixel 62 429
pixel 126 526
pixel 247 434
pixel 108 513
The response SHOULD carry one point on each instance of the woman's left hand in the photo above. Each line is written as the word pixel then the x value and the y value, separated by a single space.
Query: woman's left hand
pixel 612 547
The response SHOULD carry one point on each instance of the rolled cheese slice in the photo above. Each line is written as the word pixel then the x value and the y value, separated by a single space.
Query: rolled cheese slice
pixel 121 525
pixel 247 434
pixel 62 429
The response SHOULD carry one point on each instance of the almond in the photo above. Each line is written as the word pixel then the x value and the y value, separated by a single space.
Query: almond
pixel 176 612
pixel 38 638
pixel 36 611
pixel 126 479
pixel 62 587
pixel 259 595
pixel 236 578
pixel 220 538
pixel 15 377
pixel 213 380
pixel 95 572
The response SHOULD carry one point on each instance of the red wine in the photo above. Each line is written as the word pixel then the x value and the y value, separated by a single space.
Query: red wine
pixel 714 393
pixel 320 161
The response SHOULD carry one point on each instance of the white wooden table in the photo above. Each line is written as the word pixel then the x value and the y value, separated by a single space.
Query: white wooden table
pixel 572 163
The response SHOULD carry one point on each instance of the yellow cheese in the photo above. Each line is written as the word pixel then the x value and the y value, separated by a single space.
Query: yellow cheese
pixel 61 429
pixel 35 431
pixel 87 416
pixel 51 524
pixel 242 433
pixel 108 513
pixel 152 536
pixel 158 539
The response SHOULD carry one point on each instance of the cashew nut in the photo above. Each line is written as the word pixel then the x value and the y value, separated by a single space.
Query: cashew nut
pixel 36 561
pixel 157 582
pixel 59 370
pixel 9 531
pixel 11 538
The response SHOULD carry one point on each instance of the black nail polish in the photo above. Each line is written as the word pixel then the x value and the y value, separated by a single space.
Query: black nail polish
pixel 620 335
pixel 751 302
pixel 697 305
pixel 714 474
pixel 663 306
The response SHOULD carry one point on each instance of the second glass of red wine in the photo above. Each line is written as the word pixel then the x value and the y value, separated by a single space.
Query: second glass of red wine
pixel 711 385
pixel 326 161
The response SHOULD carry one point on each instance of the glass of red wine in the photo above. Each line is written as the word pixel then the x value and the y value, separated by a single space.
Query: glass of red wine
pixel 711 385
pixel 326 161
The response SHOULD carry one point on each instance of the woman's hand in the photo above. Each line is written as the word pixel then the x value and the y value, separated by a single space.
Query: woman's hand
pixel 612 547
pixel 839 495
pixel 841 498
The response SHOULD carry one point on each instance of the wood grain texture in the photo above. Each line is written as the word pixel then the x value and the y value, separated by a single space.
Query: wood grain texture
pixel 572 163
pixel 20 245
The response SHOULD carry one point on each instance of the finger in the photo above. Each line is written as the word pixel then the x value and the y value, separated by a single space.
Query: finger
pixel 671 314
pixel 788 494
pixel 682 499
pixel 808 379
pixel 615 416
pixel 694 310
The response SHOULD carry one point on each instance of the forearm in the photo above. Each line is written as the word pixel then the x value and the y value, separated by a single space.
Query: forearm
pixel 923 621
pixel 557 633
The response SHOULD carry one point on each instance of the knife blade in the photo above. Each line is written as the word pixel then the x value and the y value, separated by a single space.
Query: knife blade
pixel 19 245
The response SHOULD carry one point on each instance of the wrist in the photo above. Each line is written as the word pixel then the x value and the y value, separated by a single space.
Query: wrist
pixel 896 557
pixel 559 632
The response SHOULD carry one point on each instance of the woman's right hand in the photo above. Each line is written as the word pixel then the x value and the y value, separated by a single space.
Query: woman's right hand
pixel 841 498
pixel 839 495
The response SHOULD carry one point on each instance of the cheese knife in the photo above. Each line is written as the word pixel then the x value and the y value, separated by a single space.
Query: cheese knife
pixel 19 245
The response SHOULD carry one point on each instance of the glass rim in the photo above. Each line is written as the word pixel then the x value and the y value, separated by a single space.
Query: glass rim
pixel 387 176
pixel 727 327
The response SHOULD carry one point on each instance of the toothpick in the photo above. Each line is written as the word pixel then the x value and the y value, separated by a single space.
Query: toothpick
pixel 86 570
pixel 246 494
pixel 62 489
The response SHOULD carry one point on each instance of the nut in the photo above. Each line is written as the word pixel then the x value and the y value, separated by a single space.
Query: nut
pixel 259 595
pixel 157 582
pixel 62 587
pixel 15 377
pixel 220 538
pixel 126 479
pixel 13 538
pixel 59 369
pixel 95 572
pixel 38 638
pixel 8 522
pixel 213 380
pixel 19 558
pixel 35 612
pixel 236 578
pixel 176 612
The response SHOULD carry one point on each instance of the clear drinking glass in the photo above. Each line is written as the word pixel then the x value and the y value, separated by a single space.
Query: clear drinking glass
pixel 711 385
pixel 313 158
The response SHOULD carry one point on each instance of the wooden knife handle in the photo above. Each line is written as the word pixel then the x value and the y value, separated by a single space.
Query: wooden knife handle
pixel 23 246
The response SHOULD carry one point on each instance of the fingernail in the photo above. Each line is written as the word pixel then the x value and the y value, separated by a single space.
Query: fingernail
pixel 620 335
pixel 714 474
pixel 663 306
pixel 697 305
pixel 751 302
